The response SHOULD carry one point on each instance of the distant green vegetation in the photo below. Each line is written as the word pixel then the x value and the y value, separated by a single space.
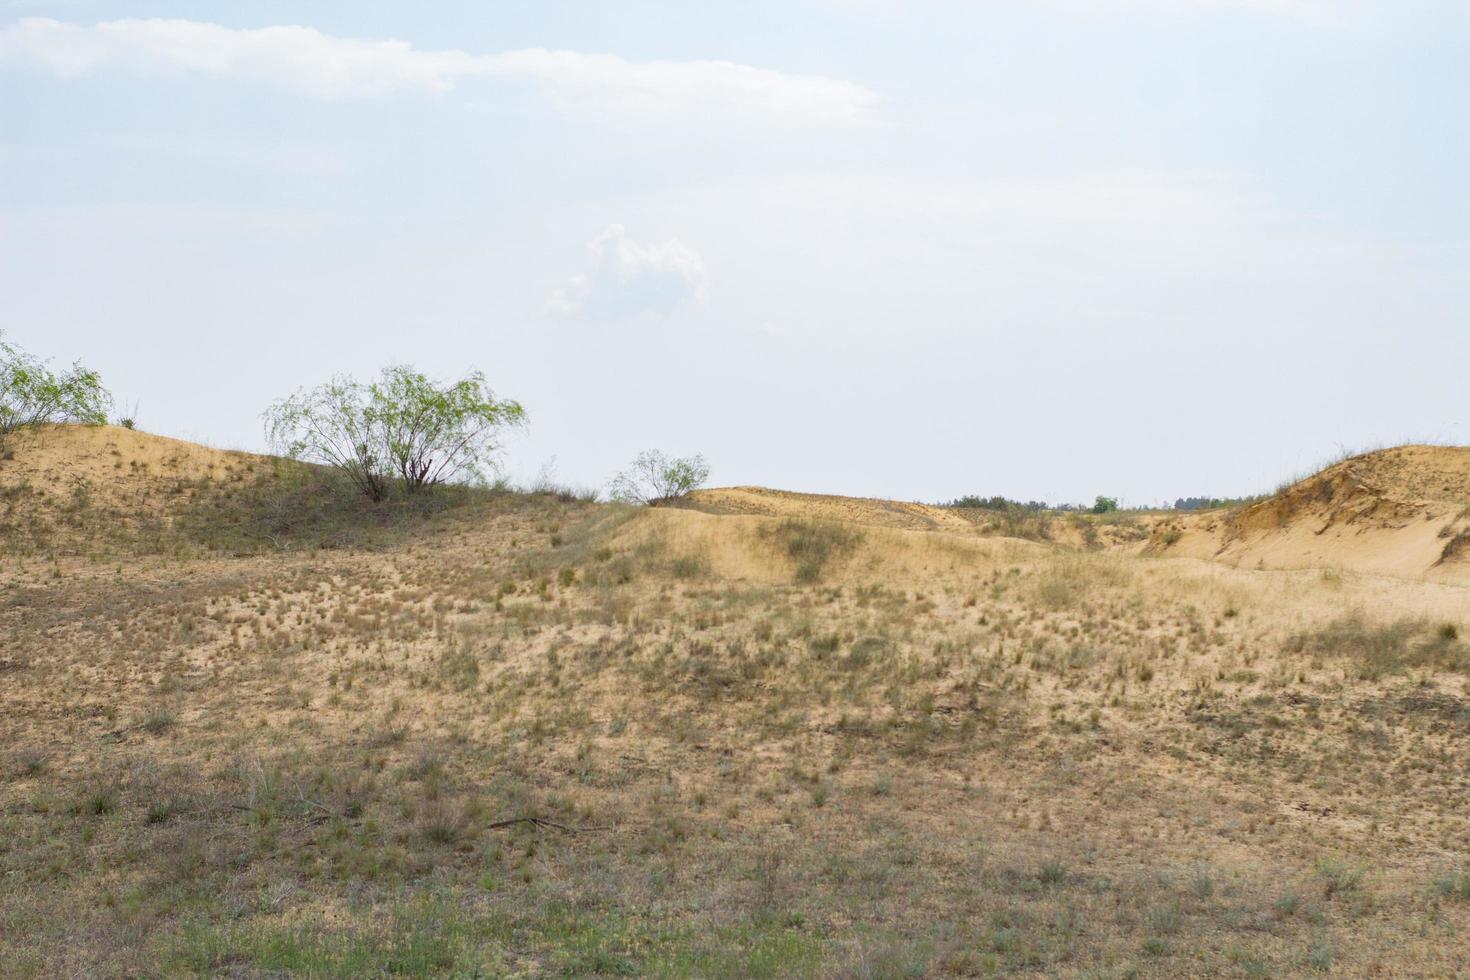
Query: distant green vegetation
pixel 31 394
pixel 1212 503
pixel 1102 505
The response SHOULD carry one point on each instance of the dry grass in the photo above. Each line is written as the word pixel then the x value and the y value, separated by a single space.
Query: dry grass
pixel 257 753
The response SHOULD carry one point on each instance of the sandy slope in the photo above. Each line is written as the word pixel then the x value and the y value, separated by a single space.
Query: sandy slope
pixel 811 506
pixel 110 461
pixel 62 487
pixel 1403 511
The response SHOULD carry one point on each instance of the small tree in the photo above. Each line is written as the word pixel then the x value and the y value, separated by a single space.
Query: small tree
pixel 402 428
pixel 31 394
pixel 1105 505
pixel 654 477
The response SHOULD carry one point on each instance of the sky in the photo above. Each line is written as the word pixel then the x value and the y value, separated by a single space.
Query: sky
pixel 904 248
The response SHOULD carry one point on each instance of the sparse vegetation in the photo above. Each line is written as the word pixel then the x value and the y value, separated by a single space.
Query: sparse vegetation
pixel 258 724
pixel 812 544
pixel 1379 649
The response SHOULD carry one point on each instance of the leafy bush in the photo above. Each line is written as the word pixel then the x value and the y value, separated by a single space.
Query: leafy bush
pixel 1104 505
pixel 654 477
pixel 31 394
pixel 402 429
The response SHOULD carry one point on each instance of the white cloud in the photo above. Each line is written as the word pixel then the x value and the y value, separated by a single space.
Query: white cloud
pixel 304 60
pixel 629 278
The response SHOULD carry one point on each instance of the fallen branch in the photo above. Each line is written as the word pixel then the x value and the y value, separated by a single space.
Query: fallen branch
pixel 541 822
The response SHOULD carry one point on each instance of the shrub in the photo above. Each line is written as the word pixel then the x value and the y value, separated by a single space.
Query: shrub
pixel 402 428
pixel 654 477
pixel 1104 505
pixel 31 394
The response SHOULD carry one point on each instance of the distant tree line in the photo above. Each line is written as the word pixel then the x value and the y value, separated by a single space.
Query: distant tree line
pixel 1102 505
pixel 1210 503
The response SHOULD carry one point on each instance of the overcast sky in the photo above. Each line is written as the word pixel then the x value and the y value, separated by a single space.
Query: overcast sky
pixel 1045 248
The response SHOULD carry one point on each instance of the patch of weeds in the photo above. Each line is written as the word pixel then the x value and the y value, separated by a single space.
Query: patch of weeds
pixel 812 544
pixel 1164 920
pixel 161 811
pixel 158 721
pixel 864 651
pixel 1052 872
pixel 99 802
pixel 1381 649
pixel 1454 886
pixel 690 567
pixel 1339 877
pixel 824 644
pixel 1155 946
pixel 31 762
pixel 1287 905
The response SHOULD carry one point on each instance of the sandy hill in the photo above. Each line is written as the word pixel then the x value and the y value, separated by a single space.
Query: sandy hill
pixel 112 461
pixel 1403 511
pixel 1083 531
pixel 71 482
pixel 762 502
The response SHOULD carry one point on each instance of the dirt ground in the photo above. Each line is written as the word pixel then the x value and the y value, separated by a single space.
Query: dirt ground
pixel 251 728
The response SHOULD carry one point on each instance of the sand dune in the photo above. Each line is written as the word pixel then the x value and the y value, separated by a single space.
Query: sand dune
pixel 1403 511
pixel 760 501
pixel 111 462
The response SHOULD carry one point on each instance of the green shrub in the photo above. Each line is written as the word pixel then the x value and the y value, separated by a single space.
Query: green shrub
pixel 31 394
pixel 403 429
